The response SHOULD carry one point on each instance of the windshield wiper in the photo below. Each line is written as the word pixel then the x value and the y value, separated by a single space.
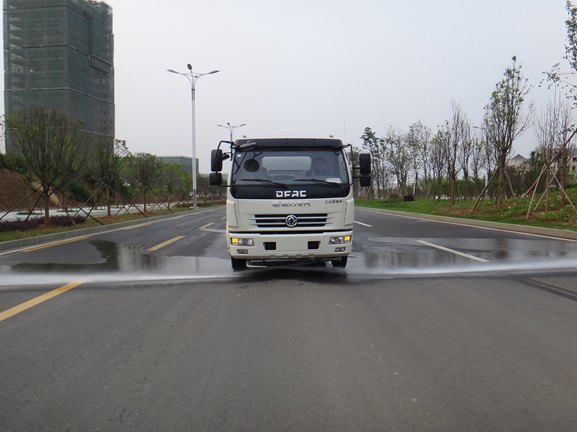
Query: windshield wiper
pixel 330 183
pixel 282 185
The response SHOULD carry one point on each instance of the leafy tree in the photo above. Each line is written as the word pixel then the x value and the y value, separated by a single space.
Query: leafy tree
pixel 399 157
pixel 47 143
pixel 145 171
pixel 173 180
pixel 375 146
pixel 105 167
pixel 504 118
pixel 555 76
pixel 571 23
pixel 438 158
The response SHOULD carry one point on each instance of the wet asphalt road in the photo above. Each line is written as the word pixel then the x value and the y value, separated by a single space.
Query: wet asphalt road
pixel 431 326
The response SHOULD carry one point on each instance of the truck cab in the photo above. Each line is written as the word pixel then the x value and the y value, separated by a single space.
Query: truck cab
pixel 288 199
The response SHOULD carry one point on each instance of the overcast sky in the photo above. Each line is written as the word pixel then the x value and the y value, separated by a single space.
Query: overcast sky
pixel 319 67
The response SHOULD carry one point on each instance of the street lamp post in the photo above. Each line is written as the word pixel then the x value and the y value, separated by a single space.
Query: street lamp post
pixel 231 128
pixel 193 78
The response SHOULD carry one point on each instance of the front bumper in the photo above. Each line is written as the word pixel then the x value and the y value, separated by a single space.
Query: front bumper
pixel 289 246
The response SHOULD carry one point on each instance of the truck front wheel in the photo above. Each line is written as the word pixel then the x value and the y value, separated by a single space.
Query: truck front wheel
pixel 341 262
pixel 238 264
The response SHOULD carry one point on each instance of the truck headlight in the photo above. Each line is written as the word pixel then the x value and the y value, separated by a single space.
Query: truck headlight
pixel 235 241
pixel 340 239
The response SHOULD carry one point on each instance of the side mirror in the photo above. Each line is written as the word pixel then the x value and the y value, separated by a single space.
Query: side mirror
pixel 215 179
pixel 365 181
pixel 216 161
pixel 365 164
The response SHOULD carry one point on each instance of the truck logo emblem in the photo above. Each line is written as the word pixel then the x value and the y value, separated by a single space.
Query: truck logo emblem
pixel 291 194
pixel 291 221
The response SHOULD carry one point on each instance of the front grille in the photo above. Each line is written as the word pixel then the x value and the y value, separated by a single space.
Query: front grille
pixel 279 221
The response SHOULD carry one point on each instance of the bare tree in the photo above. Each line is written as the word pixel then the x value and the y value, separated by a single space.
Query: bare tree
pixel 477 156
pixel 552 129
pixel 559 79
pixel 2 134
pixel 504 119
pixel 438 158
pixel 458 132
pixel 465 155
pixel 419 138
pixel 490 155
pixel 47 142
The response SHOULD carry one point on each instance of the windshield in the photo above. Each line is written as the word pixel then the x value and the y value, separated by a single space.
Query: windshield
pixel 258 173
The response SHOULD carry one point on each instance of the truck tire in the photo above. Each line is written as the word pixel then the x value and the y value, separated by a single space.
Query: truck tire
pixel 341 262
pixel 238 264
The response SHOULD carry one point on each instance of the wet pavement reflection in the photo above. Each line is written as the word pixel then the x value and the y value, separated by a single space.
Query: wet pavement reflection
pixel 114 261
pixel 378 256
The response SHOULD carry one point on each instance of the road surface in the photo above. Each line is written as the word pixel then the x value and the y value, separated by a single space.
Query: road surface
pixel 431 327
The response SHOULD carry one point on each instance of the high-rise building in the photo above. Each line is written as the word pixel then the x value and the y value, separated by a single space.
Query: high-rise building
pixel 60 54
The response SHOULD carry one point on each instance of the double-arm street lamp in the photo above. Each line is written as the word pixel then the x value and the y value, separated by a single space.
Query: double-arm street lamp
pixel 231 128
pixel 193 78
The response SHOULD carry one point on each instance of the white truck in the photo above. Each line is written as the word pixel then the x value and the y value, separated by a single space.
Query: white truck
pixel 288 199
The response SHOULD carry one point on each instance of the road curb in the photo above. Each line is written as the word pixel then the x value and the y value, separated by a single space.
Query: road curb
pixel 50 238
pixel 524 229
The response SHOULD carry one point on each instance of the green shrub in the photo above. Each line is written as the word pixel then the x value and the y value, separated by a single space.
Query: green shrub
pixel 12 162
pixel 55 221
pixel 78 191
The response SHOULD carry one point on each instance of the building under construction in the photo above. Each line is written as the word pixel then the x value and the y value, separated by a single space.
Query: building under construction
pixel 60 54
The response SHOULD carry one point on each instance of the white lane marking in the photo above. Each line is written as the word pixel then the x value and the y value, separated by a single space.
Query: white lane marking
pixel 464 255
pixel 214 230
pixel 363 224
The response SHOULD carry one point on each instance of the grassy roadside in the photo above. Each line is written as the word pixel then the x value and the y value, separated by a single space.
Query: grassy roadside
pixel 18 235
pixel 513 211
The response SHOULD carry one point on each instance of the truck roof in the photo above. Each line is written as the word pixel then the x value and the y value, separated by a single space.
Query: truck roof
pixel 289 142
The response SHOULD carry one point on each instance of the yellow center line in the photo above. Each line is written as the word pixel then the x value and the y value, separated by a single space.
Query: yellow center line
pixel 40 299
pixel 207 225
pixel 49 245
pixel 166 243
